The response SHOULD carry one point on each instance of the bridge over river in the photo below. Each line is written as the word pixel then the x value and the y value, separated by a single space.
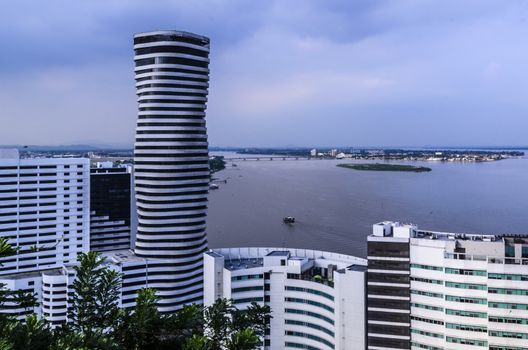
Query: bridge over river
pixel 268 158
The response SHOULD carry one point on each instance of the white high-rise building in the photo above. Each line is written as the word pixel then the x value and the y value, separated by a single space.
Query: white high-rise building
pixel 44 214
pixel 317 298
pixel 436 290
pixel 171 170
pixel 43 211
pixel 171 160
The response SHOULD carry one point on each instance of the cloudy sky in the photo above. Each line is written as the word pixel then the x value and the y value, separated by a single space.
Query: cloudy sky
pixel 283 73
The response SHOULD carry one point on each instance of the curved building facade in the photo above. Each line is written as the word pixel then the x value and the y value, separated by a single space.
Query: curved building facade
pixel 171 160
pixel 317 298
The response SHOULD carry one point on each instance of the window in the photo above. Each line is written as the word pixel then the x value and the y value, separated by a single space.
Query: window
pixel 427 334
pixel 464 327
pixel 247 300
pixel 507 291
pixel 465 272
pixel 508 277
pixel 466 341
pixel 466 313
pixel 427 307
pixel 427 267
pixel 465 285
pixel 426 280
pixel 427 294
pixel 311 291
pixel 509 306
pixel 309 302
pixel 513 335
pixel 467 300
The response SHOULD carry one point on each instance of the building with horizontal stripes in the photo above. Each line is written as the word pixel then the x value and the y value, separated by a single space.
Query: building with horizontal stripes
pixel 44 211
pixel 440 291
pixel 171 163
pixel 317 298
pixel 44 215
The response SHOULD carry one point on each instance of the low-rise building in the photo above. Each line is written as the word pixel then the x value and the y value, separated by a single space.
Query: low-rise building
pixel 317 298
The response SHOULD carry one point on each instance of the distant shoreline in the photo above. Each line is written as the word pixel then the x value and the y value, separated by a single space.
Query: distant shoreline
pixel 385 167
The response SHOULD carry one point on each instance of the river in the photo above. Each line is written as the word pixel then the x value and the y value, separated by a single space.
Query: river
pixel 336 207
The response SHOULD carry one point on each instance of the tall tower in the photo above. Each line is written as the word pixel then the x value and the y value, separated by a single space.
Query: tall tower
pixel 171 161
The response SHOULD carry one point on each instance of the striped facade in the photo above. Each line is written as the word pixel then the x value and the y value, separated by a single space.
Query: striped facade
pixel 44 214
pixel 171 161
pixel 44 211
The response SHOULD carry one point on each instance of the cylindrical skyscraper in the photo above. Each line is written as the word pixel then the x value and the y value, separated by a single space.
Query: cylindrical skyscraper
pixel 171 161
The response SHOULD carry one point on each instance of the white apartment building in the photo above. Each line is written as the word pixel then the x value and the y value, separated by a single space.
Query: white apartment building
pixel 44 213
pixel 452 291
pixel 317 298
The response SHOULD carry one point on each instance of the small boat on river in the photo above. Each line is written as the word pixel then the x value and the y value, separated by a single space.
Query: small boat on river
pixel 289 220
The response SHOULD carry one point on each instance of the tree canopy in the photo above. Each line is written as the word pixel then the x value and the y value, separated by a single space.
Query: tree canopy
pixel 95 320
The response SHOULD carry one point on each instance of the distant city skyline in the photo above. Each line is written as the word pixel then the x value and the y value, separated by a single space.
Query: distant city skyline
pixel 283 73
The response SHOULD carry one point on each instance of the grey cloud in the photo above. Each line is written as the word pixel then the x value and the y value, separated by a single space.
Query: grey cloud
pixel 282 72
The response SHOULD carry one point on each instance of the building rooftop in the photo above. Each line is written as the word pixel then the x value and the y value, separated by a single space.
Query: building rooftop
pixel 397 229
pixel 22 275
pixel 279 253
pixel 121 256
pixel 239 264
pixel 9 153
pixel 180 33
pixel 453 236
pixel 214 254
pixel 252 257
pixel 360 268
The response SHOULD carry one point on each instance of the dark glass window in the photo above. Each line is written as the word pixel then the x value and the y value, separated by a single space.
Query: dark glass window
pixel 388 249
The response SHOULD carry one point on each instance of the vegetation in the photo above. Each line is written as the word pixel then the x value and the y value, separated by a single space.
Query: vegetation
pixel 216 163
pixel 385 167
pixel 96 322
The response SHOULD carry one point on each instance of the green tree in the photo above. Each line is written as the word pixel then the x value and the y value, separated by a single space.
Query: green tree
pixel 183 325
pixel 145 327
pixel 243 340
pixel 140 328
pixel 226 327
pixel 256 317
pixel 25 300
pixel 94 307
pixel 5 345
pixel 196 342
pixel 34 334
pixel 96 322
pixel 218 322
